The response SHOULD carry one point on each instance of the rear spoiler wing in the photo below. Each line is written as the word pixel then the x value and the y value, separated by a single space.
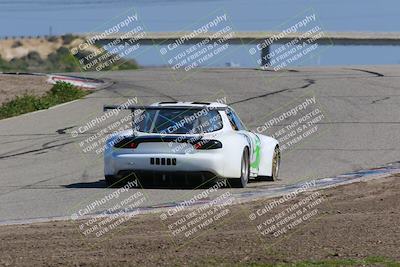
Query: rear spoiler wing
pixel 136 107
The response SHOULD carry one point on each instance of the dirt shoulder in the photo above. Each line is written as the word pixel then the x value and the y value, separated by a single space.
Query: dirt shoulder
pixel 17 85
pixel 355 224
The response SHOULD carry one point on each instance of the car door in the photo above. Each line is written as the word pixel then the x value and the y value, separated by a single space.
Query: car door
pixel 254 140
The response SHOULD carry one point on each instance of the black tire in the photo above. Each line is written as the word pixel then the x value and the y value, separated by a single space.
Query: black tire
pixel 110 180
pixel 276 161
pixel 245 171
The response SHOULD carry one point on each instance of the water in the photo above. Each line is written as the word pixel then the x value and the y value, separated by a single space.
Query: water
pixel 41 17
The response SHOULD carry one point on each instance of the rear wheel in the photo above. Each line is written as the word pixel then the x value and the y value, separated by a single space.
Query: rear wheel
pixel 244 172
pixel 276 160
pixel 110 180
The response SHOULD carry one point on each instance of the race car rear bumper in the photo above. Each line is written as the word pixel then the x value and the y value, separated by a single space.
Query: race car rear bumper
pixel 153 164
pixel 172 177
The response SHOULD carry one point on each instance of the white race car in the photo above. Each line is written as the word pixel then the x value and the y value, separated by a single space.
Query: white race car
pixel 186 140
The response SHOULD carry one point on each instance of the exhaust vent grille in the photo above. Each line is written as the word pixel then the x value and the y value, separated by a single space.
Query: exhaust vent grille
pixel 162 161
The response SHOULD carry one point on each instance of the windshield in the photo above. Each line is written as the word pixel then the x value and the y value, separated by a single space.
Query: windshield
pixel 179 121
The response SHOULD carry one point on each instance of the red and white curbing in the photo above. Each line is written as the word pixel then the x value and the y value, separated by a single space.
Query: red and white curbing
pixel 86 83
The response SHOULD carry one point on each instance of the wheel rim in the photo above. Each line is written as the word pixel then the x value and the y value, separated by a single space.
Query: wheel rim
pixel 245 168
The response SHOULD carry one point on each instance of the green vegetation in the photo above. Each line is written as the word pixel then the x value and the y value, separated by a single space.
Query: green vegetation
pixel 60 93
pixel 52 38
pixel 369 261
pixel 120 64
pixel 67 39
pixel 61 60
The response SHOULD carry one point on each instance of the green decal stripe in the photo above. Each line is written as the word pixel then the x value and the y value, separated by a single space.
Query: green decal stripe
pixel 256 163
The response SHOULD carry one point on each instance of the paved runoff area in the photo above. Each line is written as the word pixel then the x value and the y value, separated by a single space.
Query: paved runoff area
pixel 329 120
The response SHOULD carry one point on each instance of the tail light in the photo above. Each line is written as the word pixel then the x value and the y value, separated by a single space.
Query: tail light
pixel 207 144
pixel 126 143
pixel 133 145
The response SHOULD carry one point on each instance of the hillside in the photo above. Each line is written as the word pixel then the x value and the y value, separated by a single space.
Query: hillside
pixel 51 55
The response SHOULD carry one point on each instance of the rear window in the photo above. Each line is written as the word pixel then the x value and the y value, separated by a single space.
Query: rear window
pixel 179 121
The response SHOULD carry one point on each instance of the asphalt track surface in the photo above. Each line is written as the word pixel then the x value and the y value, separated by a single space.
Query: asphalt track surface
pixel 44 173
